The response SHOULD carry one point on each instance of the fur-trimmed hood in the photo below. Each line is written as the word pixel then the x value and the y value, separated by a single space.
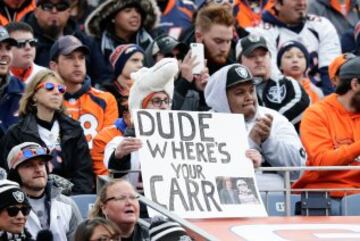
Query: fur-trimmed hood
pixel 98 20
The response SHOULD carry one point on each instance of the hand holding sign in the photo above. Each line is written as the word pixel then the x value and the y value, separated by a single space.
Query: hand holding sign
pixel 126 146
pixel 255 156
pixel 261 130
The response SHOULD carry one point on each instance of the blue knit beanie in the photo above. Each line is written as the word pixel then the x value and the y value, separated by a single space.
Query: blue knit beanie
pixel 288 45
pixel 120 56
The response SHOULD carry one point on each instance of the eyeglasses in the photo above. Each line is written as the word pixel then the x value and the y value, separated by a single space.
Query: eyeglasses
pixel 157 102
pixel 50 86
pixel 50 6
pixel 123 198
pixel 13 210
pixel 22 43
pixel 106 238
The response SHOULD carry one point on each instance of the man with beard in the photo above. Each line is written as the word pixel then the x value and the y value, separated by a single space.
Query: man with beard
pixel 49 208
pixel 11 88
pixel 214 28
pixel 330 132
pixel 51 20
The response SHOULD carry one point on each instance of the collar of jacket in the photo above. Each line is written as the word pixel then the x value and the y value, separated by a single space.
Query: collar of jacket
pixel 84 88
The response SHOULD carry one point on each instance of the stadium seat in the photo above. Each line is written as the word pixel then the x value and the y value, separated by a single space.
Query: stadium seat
pixel 275 203
pixel 85 202
pixel 350 205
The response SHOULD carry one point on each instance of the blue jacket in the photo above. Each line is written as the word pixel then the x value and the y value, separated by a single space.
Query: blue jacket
pixel 10 96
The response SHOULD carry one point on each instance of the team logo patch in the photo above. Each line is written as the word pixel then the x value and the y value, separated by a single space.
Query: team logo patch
pixel 276 94
pixel 184 238
pixel 242 72
pixel 254 38
pixel 19 196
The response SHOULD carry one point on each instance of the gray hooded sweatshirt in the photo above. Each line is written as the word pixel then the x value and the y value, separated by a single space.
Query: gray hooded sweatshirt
pixel 282 148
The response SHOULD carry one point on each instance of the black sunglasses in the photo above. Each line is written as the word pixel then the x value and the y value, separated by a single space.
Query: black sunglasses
pixel 59 6
pixel 13 210
pixel 22 43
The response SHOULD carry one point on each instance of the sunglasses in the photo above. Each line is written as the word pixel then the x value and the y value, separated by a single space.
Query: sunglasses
pixel 22 43
pixel 13 211
pixel 49 86
pixel 59 6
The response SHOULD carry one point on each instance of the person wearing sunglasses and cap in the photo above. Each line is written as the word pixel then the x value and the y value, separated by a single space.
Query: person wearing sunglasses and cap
pixel 22 66
pixel 43 121
pixel 11 88
pixel 14 211
pixel 51 210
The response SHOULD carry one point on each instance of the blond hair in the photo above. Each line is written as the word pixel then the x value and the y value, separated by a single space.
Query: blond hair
pixel 96 210
pixel 27 104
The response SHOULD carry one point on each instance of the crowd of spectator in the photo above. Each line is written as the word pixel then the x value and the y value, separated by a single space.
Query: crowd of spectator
pixel 71 72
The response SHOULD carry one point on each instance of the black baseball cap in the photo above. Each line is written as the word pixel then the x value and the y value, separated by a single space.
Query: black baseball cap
pixel 350 69
pixel 238 74
pixel 166 44
pixel 249 43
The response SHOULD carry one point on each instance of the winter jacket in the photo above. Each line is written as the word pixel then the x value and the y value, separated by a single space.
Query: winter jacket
pixel 10 94
pixel 341 23
pixel 63 212
pixel 95 62
pixel 75 155
pixel 281 149
pixel 8 15
pixel 331 137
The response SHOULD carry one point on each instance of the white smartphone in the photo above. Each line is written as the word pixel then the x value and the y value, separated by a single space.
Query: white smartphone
pixel 197 49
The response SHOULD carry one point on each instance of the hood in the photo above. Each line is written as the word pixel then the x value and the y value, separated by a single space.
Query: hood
pixel 215 91
pixel 85 87
pixel 100 18
pixel 332 102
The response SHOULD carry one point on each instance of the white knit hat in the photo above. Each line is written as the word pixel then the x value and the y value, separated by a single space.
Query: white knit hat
pixel 158 78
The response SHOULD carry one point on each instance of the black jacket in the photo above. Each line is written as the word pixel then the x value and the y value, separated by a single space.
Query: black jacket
pixel 95 62
pixel 76 163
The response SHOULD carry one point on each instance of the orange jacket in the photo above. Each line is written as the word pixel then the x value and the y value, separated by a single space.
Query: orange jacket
pixel 245 16
pixel 4 20
pixel 94 109
pixel 99 144
pixel 331 137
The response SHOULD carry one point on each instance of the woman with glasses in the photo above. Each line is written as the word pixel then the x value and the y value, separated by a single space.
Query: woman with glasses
pixel 14 211
pixel 118 202
pixel 152 89
pixel 97 229
pixel 44 121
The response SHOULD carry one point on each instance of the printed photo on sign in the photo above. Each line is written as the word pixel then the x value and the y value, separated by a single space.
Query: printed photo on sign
pixel 186 158
pixel 236 190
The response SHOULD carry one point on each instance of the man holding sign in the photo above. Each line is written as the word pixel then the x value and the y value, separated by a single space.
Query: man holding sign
pixel 232 90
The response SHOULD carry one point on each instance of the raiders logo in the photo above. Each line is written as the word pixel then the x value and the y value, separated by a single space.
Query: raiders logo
pixel 242 72
pixel 276 94
pixel 254 38
pixel 185 238
pixel 19 196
